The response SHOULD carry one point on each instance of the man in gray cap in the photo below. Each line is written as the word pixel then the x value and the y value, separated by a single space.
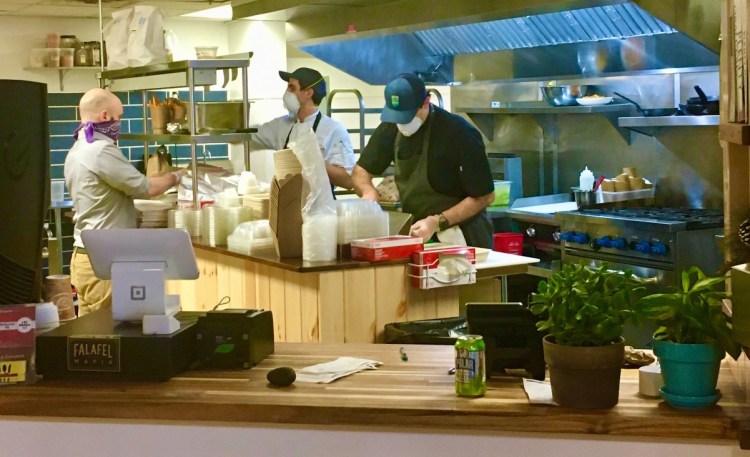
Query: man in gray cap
pixel 305 91
pixel 441 169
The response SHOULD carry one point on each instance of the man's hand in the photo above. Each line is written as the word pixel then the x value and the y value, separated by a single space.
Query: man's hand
pixel 178 175
pixel 371 194
pixel 425 228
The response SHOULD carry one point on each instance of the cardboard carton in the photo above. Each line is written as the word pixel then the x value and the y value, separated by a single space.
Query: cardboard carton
pixel 285 215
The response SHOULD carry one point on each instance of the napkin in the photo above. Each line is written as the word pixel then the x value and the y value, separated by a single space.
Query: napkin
pixel 539 392
pixel 324 373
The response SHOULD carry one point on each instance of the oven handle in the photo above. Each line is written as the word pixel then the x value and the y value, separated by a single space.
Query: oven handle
pixel 649 280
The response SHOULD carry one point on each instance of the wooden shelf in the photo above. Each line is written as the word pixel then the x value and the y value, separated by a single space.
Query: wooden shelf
pixel 735 133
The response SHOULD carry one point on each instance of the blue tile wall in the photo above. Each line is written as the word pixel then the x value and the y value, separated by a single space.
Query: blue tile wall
pixel 63 119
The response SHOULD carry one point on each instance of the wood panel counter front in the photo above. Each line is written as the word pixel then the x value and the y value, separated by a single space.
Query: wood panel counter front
pixel 341 301
pixel 411 396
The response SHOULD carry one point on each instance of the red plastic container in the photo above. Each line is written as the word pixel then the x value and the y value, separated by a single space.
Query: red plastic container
pixel 508 242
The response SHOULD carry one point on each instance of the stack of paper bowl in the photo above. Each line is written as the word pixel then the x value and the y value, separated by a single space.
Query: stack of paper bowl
pixel 258 204
pixel 285 163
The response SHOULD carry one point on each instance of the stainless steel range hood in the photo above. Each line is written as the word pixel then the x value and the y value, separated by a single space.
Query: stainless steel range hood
pixel 459 41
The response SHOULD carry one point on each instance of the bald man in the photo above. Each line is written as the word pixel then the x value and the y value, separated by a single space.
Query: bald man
pixel 102 184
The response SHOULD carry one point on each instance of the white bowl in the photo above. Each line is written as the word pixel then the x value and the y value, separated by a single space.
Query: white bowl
pixel 593 101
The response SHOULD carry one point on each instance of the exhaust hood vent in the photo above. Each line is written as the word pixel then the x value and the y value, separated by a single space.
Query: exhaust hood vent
pixel 566 27
pixel 616 37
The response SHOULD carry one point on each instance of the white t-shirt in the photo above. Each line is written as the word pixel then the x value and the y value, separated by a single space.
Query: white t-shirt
pixel 102 184
pixel 333 138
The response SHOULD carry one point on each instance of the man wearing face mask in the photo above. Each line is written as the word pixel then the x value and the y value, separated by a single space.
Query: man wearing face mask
pixel 305 91
pixel 102 184
pixel 441 169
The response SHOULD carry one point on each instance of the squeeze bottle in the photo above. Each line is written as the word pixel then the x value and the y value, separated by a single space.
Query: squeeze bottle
pixel 586 180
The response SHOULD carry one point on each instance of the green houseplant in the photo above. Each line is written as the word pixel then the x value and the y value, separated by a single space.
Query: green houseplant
pixel 692 337
pixel 583 309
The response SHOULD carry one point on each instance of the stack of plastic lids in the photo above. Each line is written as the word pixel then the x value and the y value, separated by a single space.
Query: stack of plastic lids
pixel 252 238
pixel 47 317
pixel 359 218
pixel 319 237
pixel 187 219
pixel 219 222
pixel 258 204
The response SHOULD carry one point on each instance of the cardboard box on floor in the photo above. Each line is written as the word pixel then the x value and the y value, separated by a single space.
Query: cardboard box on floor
pixel 285 215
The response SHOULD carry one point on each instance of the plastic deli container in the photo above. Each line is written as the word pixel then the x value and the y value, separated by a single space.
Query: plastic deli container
pixel 502 193
pixel 206 52
pixel 508 242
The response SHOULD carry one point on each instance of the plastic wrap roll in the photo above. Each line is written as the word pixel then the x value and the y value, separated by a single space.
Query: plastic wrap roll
pixel 319 238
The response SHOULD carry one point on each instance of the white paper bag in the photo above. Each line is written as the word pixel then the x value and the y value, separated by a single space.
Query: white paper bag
pixel 116 38
pixel 146 39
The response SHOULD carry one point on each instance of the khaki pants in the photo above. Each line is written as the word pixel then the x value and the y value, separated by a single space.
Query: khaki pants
pixel 93 293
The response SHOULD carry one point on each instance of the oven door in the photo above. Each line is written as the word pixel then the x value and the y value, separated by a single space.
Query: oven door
pixel 658 280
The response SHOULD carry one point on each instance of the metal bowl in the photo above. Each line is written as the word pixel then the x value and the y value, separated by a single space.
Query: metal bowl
pixel 563 95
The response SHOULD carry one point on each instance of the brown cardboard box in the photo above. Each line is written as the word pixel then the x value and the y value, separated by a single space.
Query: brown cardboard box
pixel 285 215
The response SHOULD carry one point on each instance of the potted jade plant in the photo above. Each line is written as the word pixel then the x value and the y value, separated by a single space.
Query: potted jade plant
pixel 693 335
pixel 582 310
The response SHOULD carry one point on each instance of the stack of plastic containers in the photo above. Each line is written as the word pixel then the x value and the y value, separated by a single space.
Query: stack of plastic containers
pixel 187 219
pixel 359 219
pixel 252 238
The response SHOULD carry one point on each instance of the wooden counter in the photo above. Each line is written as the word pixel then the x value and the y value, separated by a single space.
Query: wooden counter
pixel 341 301
pixel 414 395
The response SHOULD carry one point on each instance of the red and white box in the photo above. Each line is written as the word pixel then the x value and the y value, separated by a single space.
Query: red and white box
pixel 17 344
pixel 386 248
pixel 442 267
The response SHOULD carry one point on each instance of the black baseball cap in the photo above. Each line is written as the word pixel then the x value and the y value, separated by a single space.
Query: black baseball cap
pixel 404 95
pixel 308 79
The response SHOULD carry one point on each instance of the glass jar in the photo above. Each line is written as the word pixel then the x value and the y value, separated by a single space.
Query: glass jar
pixel 69 41
pixel 83 55
pixel 96 53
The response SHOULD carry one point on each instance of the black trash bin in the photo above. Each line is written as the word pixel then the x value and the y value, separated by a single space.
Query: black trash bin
pixel 428 331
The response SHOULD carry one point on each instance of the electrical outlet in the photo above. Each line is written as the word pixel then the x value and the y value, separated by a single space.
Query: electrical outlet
pixel 494 104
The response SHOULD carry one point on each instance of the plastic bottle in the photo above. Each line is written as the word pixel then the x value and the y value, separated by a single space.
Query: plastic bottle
pixel 586 180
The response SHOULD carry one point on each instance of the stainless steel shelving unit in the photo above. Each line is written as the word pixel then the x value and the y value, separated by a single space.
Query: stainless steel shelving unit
pixel 651 126
pixel 197 73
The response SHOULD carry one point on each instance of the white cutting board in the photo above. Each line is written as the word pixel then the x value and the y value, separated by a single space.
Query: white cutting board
pixel 549 208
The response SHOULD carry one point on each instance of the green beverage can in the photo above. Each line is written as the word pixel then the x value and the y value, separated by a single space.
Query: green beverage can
pixel 471 378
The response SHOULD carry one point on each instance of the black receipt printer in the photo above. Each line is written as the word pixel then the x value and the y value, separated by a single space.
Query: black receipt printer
pixel 234 338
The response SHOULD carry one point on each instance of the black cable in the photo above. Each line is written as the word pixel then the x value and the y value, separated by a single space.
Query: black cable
pixel 225 300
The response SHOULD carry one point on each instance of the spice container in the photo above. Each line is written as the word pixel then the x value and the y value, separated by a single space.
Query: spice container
pixel 83 56
pixel 69 41
pixel 67 57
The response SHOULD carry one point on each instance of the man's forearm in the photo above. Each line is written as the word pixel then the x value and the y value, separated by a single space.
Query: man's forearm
pixel 362 180
pixel 338 176
pixel 468 208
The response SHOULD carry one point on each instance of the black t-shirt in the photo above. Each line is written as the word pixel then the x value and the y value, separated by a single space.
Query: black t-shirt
pixel 457 164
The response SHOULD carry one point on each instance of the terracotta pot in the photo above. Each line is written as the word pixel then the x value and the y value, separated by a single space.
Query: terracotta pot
pixel 584 377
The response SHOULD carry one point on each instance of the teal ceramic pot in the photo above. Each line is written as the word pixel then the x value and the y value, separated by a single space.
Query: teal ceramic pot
pixel 689 370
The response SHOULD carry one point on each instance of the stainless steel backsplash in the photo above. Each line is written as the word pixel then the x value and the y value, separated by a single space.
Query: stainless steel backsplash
pixel 685 163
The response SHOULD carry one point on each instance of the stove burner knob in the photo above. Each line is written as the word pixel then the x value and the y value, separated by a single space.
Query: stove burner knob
pixel 557 235
pixel 567 236
pixel 603 242
pixel 659 248
pixel 642 247
pixel 580 238
pixel 620 243
pixel 531 231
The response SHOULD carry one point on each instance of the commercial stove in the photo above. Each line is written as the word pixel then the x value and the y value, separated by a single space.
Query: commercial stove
pixel 656 243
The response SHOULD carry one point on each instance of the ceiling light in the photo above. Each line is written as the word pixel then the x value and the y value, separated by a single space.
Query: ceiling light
pixel 217 13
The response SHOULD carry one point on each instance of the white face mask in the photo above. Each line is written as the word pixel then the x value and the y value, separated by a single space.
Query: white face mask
pixel 291 103
pixel 410 128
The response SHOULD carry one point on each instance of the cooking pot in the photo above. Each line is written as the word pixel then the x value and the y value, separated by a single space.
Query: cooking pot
pixel 702 104
pixel 648 112
pixel 219 116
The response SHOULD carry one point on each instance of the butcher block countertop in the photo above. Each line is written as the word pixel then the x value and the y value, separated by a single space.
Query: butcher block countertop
pixel 409 395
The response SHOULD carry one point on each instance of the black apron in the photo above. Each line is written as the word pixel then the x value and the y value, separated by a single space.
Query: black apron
pixel 420 199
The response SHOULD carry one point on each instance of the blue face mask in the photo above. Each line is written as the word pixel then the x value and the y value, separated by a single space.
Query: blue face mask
pixel 111 129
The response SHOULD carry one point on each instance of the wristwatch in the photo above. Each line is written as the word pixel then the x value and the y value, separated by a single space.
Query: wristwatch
pixel 443 223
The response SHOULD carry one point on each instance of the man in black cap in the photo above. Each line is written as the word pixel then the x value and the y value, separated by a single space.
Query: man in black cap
pixel 441 169
pixel 305 91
